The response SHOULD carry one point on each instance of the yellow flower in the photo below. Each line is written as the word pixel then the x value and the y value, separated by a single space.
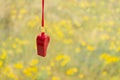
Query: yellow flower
pixel 14 46
pixel 18 50
pixel 52 64
pixel 31 23
pixel 81 76
pixel 60 34
pixel 13 14
pixel 109 59
pixel 55 78
pixel 48 68
pixel 83 43
pixel 4 55
pixel 59 57
pixel 93 4
pixel 71 71
pixel 27 72
pixel 85 18
pixel 7 69
pixel 18 65
pixel 42 67
pixel 111 23
pixel 12 75
pixel 118 10
pixel 1 63
pixel 77 23
pixel 34 69
pixel 17 40
pixel 104 73
pixel 9 72
pixel 105 37
pixel 23 11
pixel 112 46
pixel 83 4
pixel 104 56
pixel 30 71
pixel 34 62
pixel 66 59
pixel 4 44
pixel 118 49
pixel 90 48
pixel 77 50
pixel 37 18
pixel 63 63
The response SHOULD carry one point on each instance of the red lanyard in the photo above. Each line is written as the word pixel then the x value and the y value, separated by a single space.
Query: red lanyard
pixel 42 22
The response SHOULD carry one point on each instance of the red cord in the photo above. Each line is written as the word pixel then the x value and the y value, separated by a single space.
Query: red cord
pixel 42 23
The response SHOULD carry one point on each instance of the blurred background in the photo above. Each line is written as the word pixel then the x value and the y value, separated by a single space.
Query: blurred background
pixel 85 42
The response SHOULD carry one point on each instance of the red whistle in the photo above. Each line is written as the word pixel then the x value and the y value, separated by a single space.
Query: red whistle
pixel 42 41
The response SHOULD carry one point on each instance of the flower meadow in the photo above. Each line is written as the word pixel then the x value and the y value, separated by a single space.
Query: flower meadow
pixel 85 40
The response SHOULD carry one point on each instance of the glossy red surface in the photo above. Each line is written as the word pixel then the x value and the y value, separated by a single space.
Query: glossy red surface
pixel 42 41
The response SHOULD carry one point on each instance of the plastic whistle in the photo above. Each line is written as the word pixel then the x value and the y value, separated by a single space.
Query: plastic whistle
pixel 42 44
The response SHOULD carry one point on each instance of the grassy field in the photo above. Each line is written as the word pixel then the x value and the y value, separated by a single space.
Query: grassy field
pixel 85 40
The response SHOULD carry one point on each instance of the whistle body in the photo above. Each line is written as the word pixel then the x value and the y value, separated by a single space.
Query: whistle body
pixel 42 41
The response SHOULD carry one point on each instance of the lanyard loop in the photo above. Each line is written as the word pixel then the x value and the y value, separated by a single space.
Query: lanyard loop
pixel 42 22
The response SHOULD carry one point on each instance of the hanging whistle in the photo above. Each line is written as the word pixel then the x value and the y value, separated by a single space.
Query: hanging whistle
pixel 42 41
